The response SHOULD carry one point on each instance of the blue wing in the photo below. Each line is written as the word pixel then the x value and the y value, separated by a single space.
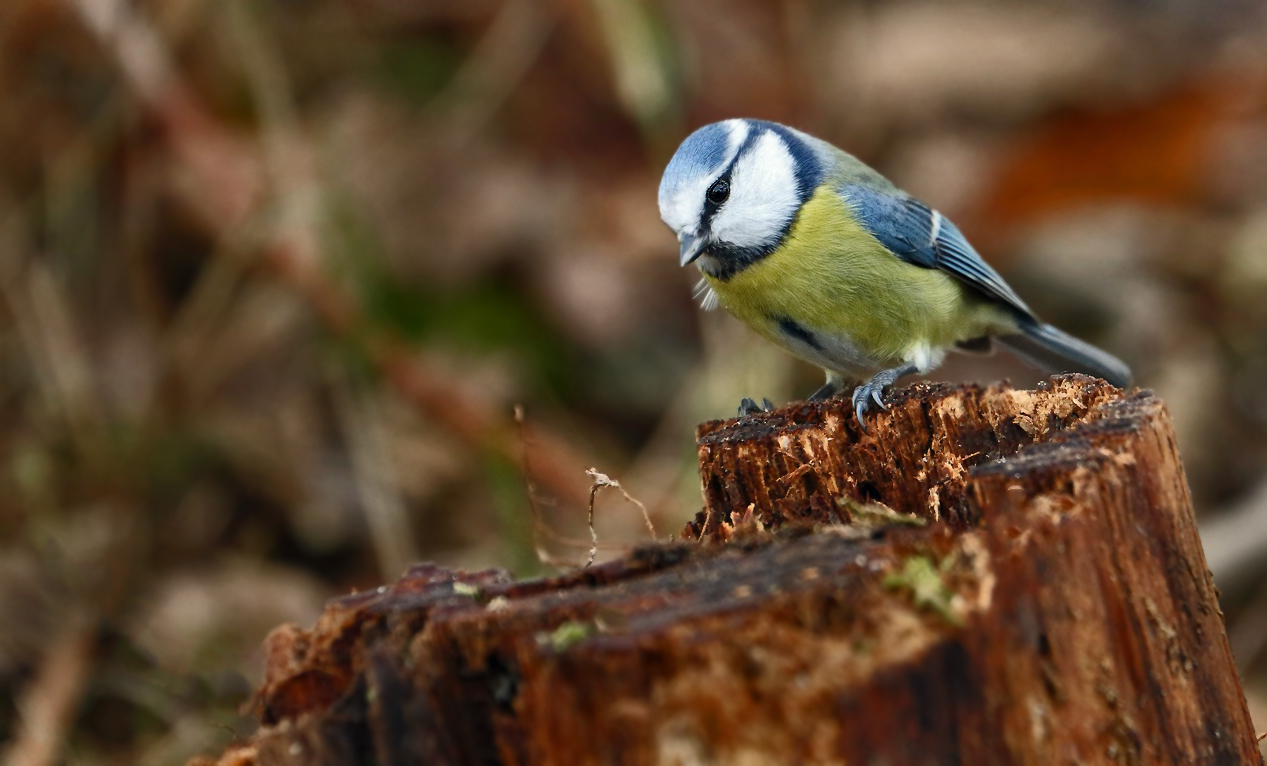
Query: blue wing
pixel 906 227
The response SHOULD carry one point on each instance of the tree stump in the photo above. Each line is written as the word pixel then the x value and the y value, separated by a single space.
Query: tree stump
pixel 990 576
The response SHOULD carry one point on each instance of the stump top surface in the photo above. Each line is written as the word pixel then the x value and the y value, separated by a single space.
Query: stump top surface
pixel 987 576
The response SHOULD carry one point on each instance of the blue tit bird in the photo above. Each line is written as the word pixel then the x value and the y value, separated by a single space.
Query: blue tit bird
pixel 828 259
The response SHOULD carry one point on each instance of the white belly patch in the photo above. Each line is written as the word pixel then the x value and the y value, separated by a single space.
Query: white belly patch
pixel 838 353
pixel 831 351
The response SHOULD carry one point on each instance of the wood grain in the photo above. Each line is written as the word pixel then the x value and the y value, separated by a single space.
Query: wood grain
pixel 990 576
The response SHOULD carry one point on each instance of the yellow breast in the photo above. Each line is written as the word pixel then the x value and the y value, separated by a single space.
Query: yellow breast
pixel 832 277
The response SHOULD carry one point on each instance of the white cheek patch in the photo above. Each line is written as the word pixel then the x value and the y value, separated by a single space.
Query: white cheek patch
pixel 683 206
pixel 763 195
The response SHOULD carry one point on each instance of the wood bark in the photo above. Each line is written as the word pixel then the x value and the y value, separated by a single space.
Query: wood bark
pixel 989 576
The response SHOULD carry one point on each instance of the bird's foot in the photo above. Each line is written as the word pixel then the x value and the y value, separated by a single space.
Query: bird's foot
pixel 873 391
pixel 748 407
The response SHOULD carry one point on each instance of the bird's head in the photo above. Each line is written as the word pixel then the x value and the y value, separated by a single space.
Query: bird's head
pixel 733 189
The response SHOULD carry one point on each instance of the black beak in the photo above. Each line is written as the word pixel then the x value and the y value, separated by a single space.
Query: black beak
pixel 692 247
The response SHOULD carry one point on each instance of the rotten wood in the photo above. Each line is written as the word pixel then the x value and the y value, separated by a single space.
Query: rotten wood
pixel 990 576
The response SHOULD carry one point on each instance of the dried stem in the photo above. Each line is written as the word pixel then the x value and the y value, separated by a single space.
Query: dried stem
pixel 226 176
pixel 364 428
pixel 48 705
pixel 602 480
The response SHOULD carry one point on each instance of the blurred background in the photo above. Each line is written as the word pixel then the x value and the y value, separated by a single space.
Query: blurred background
pixel 275 275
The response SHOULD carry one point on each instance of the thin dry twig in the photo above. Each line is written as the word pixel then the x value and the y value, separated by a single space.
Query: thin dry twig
pixel 543 529
pixel 363 425
pixel 225 183
pixel 590 520
pixel 501 59
pixel 603 480
pixel 540 528
pixel 48 705
pixel 45 324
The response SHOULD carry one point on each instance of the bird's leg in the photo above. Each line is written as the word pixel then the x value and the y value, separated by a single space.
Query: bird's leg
pixel 748 407
pixel 829 389
pixel 873 389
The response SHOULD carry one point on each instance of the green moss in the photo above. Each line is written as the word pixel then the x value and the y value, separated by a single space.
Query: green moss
pixel 416 69
pixel 466 589
pixel 566 635
pixel 875 515
pixel 923 580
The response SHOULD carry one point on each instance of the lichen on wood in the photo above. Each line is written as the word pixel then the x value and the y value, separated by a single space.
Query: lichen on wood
pixel 985 576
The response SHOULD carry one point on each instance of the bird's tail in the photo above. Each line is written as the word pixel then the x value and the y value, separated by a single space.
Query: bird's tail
pixel 1056 351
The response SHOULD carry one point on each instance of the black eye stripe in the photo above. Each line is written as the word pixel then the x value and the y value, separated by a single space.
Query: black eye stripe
pixel 714 201
pixel 727 258
pixel 756 129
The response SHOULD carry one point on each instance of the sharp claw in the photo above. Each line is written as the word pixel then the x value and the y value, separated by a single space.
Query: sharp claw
pixel 873 390
pixel 875 394
pixel 860 408
pixel 749 407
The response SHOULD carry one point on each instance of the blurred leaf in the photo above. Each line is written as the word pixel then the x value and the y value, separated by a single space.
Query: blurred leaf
pixel 416 69
pixel 643 63
pixel 1158 151
pixel 490 315
pixel 175 461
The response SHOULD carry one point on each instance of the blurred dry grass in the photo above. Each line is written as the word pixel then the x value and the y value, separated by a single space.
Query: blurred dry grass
pixel 274 274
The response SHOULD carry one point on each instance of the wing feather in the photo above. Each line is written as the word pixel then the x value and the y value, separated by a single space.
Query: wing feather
pixel 923 237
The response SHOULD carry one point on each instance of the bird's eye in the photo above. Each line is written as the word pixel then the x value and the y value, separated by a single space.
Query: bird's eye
pixel 719 192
